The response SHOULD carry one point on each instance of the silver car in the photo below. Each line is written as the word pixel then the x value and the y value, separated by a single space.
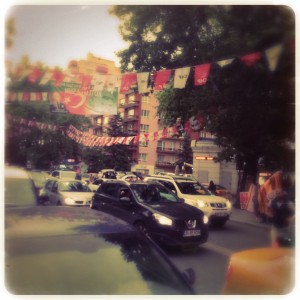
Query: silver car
pixel 65 192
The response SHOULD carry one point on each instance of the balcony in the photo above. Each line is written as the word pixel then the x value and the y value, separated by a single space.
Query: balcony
pixel 167 150
pixel 130 118
pixel 129 104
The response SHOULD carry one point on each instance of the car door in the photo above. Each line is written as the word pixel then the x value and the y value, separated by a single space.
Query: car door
pixel 53 194
pixel 126 206
pixel 107 195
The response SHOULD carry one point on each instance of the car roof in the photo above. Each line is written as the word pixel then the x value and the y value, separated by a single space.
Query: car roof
pixel 72 251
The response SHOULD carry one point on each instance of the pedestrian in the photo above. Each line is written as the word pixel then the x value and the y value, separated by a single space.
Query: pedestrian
pixel 212 187
pixel 282 213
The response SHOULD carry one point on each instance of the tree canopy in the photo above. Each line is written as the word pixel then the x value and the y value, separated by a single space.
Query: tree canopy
pixel 250 109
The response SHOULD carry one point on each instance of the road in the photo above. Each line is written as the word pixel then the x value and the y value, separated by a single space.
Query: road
pixel 210 261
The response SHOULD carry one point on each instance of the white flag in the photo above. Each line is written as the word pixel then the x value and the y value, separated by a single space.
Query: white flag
pixel 142 79
pixel 225 62
pixel 181 76
pixel 46 77
pixel 272 55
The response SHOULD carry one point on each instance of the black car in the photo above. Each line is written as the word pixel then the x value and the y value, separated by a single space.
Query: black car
pixel 155 210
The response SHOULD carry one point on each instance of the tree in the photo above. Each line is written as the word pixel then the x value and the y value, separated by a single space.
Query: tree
pixel 40 146
pixel 249 109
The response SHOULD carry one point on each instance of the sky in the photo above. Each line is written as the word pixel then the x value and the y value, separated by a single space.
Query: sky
pixel 56 34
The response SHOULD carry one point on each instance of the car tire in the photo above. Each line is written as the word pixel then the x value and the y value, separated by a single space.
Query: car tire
pixel 58 203
pixel 42 200
pixel 142 228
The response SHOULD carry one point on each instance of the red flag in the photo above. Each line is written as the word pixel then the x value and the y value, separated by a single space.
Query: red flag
pixel 164 132
pixel 34 75
pixel 201 74
pixel 251 59
pixel 58 77
pixel 128 81
pixel 161 79
pixel 187 126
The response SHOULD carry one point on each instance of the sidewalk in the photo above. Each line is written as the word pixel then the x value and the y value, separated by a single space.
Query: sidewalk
pixel 246 217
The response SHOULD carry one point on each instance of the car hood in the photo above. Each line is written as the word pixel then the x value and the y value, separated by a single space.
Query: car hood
pixel 176 210
pixel 78 195
pixel 207 198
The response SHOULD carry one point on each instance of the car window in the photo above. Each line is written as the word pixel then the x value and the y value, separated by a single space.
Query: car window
pixel 109 188
pixel 168 184
pixel 191 188
pixel 49 184
pixel 54 187
pixel 153 193
pixel 98 181
pixel 73 186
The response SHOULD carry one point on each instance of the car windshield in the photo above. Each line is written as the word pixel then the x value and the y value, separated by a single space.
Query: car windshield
pixel 192 188
pixel 153 193
pixel 73 186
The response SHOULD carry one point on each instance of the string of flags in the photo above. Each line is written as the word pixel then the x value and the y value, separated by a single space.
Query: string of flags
pixel 127 81
pixel 90 140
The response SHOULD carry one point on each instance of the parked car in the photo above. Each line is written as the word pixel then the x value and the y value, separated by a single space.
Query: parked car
pixel 96 183
pixel 261 271
pixel 220 191
pixel 130 178
pixel 153 209
pixel 107 173
pixel 63 251
pixel 63 174
pixel 65 192
pixel 217 209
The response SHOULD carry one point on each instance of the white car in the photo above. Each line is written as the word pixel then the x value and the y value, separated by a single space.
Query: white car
pixel 216 208
pixel 65 192
pixel 63 174
pixel 96 183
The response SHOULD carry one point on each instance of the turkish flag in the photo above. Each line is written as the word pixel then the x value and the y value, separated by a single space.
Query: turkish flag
pixel 251 59
pixel 128 81
pixel 201 74
pixel 58 77
pixel 161 79
pixel 34 75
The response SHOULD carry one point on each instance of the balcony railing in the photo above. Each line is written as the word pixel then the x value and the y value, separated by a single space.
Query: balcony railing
pixel 167 150
pixel 130 118
pixel 164 164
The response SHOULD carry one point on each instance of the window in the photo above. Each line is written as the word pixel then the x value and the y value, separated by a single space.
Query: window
pixel 144 128
pixel 142 157
pixel 160 158
pixel 143 143
pixel 145 99
pixel 131 98
pixel 109 188
pixel 161 145
pixel 130 112
pixel 145 114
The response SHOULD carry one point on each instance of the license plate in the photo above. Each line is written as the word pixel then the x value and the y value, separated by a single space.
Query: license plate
pixel 221 214
pixel 188 233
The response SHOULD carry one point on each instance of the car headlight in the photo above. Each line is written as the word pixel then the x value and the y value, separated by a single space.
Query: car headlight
pixel 228 204
pixel 202 203
pixel 69 201
pixel 163 220
pixel 205 219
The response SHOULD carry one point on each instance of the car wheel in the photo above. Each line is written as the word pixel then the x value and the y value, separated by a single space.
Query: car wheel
pixel 142 228
pixel 42 200
pixel 58 203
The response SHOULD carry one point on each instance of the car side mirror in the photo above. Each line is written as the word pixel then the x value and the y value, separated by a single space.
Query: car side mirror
pixel 125 200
